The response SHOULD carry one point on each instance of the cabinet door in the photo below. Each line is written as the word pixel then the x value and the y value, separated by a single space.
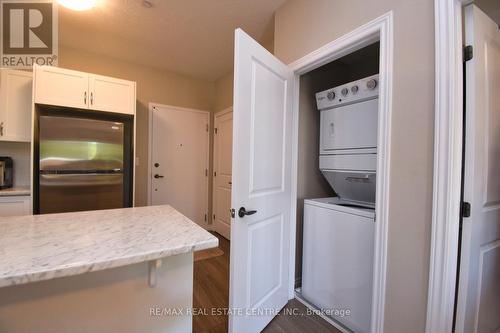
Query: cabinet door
pixel 110 94
pixel 15 105
pixel 62 87
pixel 15 206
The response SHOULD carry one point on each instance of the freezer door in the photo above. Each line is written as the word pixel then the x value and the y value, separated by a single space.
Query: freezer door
pixel 78 192
pixel 72 143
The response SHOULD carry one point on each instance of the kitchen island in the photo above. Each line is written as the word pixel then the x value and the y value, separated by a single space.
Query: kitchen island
pixel 120 270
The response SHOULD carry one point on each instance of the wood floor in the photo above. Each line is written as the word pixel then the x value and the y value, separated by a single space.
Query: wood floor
pixel 211 292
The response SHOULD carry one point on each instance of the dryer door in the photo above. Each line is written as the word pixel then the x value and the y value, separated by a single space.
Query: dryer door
pixel 352 126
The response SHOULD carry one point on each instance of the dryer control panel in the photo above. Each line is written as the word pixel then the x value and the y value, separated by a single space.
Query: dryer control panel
pixel 348 93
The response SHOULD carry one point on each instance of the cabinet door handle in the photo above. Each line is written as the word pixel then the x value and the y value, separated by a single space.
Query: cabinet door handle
pixel 85 98
pixel 91 98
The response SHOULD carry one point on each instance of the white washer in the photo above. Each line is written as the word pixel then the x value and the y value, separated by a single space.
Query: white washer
pixel 338 260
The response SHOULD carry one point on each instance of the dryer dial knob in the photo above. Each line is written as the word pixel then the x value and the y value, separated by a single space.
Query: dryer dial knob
pixel 331 95
pixel 371 84
pixel 354 89
pixel 345 91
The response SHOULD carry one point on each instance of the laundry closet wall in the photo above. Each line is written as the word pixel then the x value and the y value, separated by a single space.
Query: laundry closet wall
pixel 302 26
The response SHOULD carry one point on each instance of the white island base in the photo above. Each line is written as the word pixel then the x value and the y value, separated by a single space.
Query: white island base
pixel 114 300
pixel 99 271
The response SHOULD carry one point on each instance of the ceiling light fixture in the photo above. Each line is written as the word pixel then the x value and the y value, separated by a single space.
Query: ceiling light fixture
pixel 78 5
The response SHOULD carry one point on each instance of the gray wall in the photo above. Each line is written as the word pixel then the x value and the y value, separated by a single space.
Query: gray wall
pixel 301 26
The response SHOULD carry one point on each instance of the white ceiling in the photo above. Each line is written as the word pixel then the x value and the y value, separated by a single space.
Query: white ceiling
pixel 191 37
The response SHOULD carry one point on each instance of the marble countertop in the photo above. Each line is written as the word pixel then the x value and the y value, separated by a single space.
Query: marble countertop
pixel 43 247
pixel 15 191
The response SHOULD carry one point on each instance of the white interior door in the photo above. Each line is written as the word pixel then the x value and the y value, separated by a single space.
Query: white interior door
pixel 179 160
pixel 262 150
pixel 479 281
pixel 223 146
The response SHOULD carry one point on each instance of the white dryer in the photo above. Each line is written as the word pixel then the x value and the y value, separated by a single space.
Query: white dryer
pixel 348 139
pixel 338 238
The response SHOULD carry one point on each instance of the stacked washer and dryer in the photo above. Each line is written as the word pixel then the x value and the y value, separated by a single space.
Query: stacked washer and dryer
pixel 337 272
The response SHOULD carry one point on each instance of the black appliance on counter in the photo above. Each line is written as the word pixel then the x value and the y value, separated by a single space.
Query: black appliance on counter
pixel 6 172
pixel 83 160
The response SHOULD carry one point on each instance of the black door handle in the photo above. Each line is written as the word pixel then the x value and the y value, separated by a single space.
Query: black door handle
pixel 158 176
pixel 242 212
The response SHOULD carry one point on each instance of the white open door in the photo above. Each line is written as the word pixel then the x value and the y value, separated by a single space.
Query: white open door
pixel 262 150
pixel 478 308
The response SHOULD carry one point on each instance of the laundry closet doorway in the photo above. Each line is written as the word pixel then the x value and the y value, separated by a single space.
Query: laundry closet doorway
pixel 264 193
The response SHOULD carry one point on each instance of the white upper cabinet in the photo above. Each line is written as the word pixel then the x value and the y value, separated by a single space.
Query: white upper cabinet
pixel 63 87
pixel 110 94
pixel 15 105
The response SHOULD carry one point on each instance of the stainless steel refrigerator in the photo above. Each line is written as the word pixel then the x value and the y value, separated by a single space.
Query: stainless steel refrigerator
pixel 84 161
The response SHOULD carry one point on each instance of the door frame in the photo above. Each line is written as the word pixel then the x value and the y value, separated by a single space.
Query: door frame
pixel 448 146
pixel 214 163
pixel 379 29
pixel 151 107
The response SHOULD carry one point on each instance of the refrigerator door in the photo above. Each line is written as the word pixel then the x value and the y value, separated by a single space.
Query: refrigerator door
pixel 81 164
pixel 76 144
pixel 78 192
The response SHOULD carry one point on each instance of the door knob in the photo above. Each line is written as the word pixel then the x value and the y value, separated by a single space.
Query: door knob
pixel 158 176
pixel 242 212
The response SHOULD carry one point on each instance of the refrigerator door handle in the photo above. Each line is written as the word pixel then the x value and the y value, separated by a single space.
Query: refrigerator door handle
pixel 85 180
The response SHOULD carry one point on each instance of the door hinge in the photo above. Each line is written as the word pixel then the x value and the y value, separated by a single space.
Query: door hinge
pixel 214 217
pixel 207 127
pixel 215 173
pixel 468 53
pixel 206 172
pixel 205 217
pixel 232 211
pixel 465 209
pixel 216 130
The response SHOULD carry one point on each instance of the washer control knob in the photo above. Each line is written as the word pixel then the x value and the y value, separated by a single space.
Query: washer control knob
pixel 354 89
pixel 371 84
pixel 330 95
pixel 345 91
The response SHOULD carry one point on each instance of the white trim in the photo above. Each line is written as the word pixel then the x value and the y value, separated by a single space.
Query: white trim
pixel 223 111
pixel 381 29
pixel 447 166
pixel 150 145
